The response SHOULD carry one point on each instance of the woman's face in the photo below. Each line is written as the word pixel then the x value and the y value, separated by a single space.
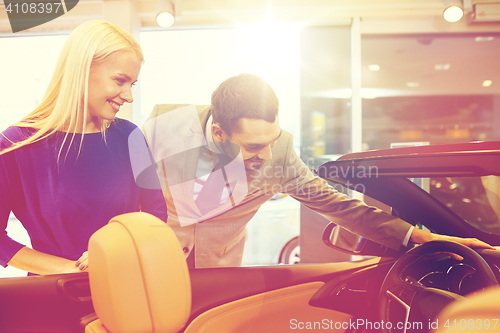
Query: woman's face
pixel 110 85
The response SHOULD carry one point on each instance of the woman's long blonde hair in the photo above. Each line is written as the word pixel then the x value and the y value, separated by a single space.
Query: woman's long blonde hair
pixel 64 105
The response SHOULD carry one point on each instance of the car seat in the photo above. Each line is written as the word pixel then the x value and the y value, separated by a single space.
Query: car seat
pixel 477 313
pixel 138 275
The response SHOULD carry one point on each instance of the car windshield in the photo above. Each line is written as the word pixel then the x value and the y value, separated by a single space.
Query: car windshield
pixel 474 199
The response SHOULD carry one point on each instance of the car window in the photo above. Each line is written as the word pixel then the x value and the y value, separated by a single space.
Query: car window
pixel 474 199
pixel 273 233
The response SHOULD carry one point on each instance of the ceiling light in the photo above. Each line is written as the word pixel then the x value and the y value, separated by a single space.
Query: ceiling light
pixel 374 67
pixel 453 10
pixel 484 38
pixel 412 84
pixel 165 16
pixel 487 83
pixel 165 19
pixel 442 67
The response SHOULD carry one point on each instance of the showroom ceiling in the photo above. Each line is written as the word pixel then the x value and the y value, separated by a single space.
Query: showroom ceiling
pixel 216 13
pixel 395 76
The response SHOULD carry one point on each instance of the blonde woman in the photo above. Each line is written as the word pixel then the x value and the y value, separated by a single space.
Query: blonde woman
pixel 65 168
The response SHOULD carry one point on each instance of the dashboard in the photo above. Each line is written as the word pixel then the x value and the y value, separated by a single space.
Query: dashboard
pixel 443 271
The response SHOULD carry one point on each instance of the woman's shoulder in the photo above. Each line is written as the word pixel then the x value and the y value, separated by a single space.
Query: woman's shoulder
pixel 14 134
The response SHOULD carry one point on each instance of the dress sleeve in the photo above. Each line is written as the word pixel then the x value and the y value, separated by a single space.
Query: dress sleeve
pixel 153 202
pixel 8 246
pixel 151 198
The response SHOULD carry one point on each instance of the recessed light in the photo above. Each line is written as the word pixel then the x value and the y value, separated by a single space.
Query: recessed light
pixel 412 84
pixel 487 83
pixel 374 67
pixel 165 19
pixel 442 67
pixel 484 38
pixel 453 14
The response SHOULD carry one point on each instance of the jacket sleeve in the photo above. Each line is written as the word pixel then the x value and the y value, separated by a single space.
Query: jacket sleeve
pixel 315 193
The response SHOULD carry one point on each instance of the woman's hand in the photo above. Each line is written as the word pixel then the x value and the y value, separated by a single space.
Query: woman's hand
pixel 41 263
pixel 70 267
pixel 80 265
pixel 83 262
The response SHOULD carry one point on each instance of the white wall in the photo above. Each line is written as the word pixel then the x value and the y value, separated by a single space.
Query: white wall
pixel 187 66
pixel 26 67
pixel 182 66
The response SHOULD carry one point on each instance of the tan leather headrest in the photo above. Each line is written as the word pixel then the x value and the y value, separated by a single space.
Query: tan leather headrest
pixel 138 276
pixel 473 313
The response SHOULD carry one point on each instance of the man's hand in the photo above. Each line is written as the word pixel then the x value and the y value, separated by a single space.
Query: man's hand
pixel 420 236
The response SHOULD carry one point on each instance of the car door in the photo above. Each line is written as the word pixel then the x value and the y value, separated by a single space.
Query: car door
pixel 234 299
pixel 285 297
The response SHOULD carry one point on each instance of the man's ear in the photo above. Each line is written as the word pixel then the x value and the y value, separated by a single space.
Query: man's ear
pixel 218 134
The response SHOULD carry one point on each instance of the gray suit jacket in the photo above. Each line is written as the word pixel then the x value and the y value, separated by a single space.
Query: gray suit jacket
pixel 175 132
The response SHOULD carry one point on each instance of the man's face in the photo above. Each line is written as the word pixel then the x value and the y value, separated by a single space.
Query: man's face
pixel 255 137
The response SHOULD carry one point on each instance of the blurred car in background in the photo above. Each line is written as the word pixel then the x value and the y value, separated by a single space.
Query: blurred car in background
pixel 273 233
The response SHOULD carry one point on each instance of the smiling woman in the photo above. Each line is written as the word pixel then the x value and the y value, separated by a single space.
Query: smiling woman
pixel 110 85
pixel 65 168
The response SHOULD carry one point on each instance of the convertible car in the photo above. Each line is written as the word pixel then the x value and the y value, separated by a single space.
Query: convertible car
pixel 139 281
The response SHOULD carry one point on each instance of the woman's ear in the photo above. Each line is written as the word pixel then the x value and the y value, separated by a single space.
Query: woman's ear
pixel 218 134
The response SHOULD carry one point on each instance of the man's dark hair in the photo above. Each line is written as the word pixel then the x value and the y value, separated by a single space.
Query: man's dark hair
pixel 243 96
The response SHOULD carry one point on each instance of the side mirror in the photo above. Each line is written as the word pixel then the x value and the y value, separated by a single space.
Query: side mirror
pixel 345 241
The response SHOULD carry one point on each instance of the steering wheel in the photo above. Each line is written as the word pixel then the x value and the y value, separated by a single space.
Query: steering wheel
pixel 414 302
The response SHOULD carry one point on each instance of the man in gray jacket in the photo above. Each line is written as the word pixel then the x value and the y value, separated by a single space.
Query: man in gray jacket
pixel 218 164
